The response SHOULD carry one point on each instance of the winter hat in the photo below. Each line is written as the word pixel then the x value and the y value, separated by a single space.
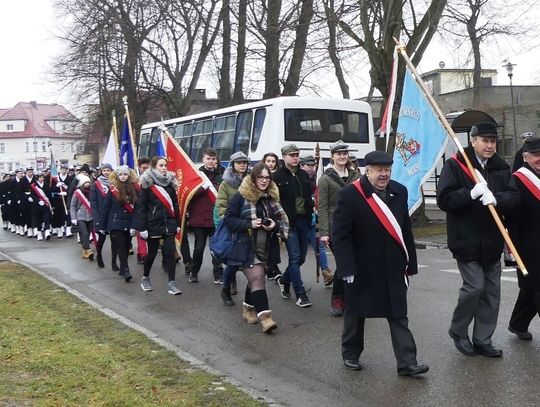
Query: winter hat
pixel 123 169
pixel 106 166
pixel 238 156
pixel 85 168
pixel 83 179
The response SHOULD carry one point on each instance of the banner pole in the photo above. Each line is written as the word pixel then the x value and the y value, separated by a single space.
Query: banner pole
pixel 131 136
pixel 440 114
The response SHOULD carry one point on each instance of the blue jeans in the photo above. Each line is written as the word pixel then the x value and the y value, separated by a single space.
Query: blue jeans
pixel 297 244
pixel 323 260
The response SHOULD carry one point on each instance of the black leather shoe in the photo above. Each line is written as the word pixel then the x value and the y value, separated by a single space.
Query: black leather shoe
pixel 462 344
pixel 524 335
pixel 413 370
pixel 352 364
pixel 488 350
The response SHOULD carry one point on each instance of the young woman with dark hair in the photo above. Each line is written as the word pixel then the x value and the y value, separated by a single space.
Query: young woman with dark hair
pixel 271 160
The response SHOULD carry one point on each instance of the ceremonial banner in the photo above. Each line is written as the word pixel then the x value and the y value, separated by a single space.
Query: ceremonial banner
pixel 188 176
pixel 127 147
pixel 386 128
pixel 420 141
pixel 160 147
pixel 111 153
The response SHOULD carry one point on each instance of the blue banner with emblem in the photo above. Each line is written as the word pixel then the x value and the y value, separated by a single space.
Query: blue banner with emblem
pixel 127 149
pixel 420 141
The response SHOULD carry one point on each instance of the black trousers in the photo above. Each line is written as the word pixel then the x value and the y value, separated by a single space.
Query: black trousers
pixel 201 235
pixel 41 217
pixel 527 306
pixel 121 240
pixel 167 251
pixel 352 339
pixel 184 249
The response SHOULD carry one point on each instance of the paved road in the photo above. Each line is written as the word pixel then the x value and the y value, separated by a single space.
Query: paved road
pixel 300 364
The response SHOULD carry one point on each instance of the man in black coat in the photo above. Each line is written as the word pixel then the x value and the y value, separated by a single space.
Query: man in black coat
pixel 473 237
pixel 524 224
pixel 374 250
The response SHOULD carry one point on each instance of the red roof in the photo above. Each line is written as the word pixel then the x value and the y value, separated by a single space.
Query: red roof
pixel 36 116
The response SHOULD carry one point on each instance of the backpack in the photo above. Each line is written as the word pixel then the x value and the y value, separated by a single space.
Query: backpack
pixel 221 242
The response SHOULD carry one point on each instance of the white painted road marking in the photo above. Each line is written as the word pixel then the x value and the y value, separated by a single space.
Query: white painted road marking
pixel 503 278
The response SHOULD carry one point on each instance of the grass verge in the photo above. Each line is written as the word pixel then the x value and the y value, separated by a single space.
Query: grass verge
pixel 58 351
pixel 425 231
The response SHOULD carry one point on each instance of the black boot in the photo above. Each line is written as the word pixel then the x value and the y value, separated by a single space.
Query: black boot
pixel 115 266
pixel 127 275
pixel 99 258
pixel 226 297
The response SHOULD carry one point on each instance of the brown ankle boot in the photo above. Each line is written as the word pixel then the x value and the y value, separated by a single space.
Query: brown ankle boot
pixel 90 254
pixel 267 323
pixel 248 312
pixel 84 254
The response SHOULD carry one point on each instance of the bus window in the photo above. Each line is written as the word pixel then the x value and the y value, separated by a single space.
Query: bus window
pixel 202 134
pixel 243 130
pixel 144 145
pixel 319 125
pixel 260 115
pixel 223 136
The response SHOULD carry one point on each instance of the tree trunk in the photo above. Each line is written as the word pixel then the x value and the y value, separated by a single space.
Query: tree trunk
pixel 271 60
pixel 238 96
pixel 224 93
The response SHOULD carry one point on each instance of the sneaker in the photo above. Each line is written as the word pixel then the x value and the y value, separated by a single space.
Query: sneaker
pixel 146 285
pixel 303 300
pixel 285 288
pixel 172 289
pixel 193 278
pixel 337 306
pixel 187 268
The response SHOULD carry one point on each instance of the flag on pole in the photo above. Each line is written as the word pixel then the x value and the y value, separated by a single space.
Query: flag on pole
pixel 160 146
pixel 127 149
pixel 386 127
pixel 420 141
pixel 111 152
pixel 54 167
pixel 188 176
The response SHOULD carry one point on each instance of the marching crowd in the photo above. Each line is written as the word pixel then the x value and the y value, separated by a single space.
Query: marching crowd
pixel 362 218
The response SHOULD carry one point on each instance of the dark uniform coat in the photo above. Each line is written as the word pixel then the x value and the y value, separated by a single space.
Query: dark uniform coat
pixel 524 225
pixel 364 249
pixel 472 232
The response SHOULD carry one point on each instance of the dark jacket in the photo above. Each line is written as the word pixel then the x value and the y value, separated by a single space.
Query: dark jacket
pixel 285 180
pixel 46 190
pixel 472 232
pixel 201 206
pixel 364 249
pixel 523 225
pixel 97 199
pixel 242 253
pixel 151 215
pixel 114 215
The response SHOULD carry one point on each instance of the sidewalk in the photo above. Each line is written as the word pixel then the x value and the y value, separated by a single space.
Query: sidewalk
pixel 437 217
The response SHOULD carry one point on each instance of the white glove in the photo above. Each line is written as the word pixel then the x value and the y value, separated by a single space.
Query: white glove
pixel 61 185
pixel 489 199
pixel 132 232
pixel 9 202
pixel 349 279
pixel 63 193
pixel 177 230
pixel 144 234
pixel 41 203
pixel 207 184
pixel 74 222
pixel 479 189
pixel 103 232
pixel 30 199
pixel 18 202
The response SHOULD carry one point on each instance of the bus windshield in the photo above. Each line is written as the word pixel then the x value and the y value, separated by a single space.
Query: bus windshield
pixel 321 125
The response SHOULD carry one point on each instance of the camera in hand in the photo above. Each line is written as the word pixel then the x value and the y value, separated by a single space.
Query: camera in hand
pixel 266 222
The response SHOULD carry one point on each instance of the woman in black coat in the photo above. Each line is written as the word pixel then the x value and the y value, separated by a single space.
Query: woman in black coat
pixel 156 217
pixel 116 214
pixel 256 217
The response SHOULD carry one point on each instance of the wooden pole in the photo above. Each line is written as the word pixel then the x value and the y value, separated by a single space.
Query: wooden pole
pixel 492 210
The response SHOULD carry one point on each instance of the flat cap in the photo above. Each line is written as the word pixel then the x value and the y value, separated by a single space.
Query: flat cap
pixel 238 156
pixel 378 158
pixel 338 146
pixel 484 129
pixel 531 145
pixel 289 148
pixel 526 135
pixel 29 169
pixel 307 160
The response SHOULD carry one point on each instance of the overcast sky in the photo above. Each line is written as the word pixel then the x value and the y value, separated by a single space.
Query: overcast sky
pixel 28 49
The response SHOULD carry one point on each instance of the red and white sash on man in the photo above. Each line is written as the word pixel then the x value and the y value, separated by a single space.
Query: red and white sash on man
pixel 102 188
pixel 464 168
pixel 41 195
pixel 83 200
pixel 531 181
pixel 129 207
pixel 387 219
pixel 164 198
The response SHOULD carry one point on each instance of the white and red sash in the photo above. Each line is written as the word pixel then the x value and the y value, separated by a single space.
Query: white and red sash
pixel 129 207
pixel 84 200
pixel 531 181
pixel 42 197
pixel 464 168
pixel 164 198
pixel 101 188
pixel 386 217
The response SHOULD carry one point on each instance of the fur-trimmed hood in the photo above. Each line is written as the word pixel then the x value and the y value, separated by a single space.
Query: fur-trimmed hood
pixel 251 193
pixel 232 178
pixel 113 178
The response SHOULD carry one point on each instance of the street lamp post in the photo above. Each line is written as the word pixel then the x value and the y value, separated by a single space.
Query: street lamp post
pixel 510 69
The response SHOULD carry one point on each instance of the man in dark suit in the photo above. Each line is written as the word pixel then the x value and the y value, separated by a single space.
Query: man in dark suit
pixel 375 255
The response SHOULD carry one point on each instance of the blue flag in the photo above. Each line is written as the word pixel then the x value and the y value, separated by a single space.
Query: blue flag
pixel 420 141
pixel 127 153
pixel 160 148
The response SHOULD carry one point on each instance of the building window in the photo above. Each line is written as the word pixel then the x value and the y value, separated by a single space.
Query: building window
pixel 63 147
pixel 35 146
pixel 27 147
pixel 2 147
pixel 9 127
pixel 43 146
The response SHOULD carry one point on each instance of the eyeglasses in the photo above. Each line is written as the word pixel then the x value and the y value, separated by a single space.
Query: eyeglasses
pixel 263 178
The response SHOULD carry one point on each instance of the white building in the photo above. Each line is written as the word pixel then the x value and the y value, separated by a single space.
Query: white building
pixel 29 131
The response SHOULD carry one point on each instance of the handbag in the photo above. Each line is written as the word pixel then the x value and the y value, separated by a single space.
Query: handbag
pixel 221 242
